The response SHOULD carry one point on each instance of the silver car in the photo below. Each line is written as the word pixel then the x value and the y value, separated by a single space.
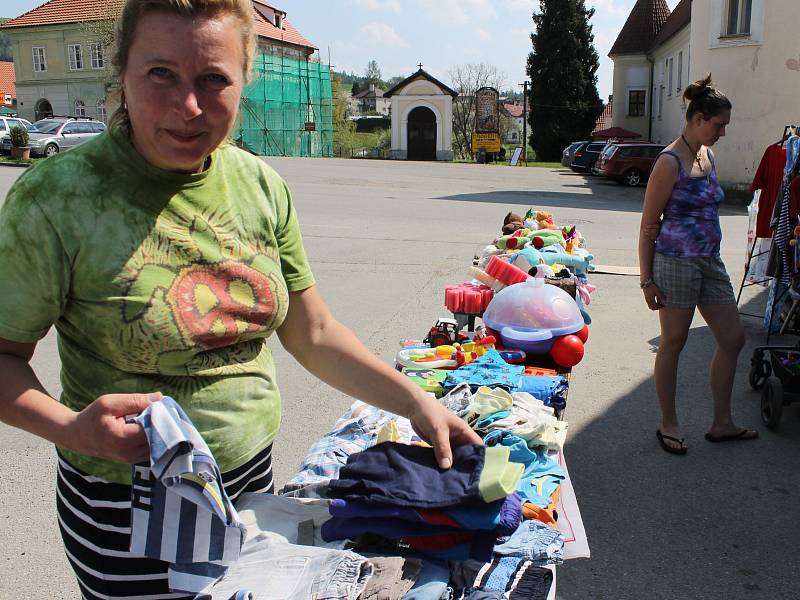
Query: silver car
pixel 6 123
pixel 55 134
pixel 569 153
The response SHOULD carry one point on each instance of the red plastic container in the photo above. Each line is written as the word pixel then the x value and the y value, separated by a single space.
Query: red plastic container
pixel 505 272
pixel 467 298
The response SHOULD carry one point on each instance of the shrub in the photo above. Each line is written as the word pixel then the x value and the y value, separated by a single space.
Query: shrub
pixel 19 136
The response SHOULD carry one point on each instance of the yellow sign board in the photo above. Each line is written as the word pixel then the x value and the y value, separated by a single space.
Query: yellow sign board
pixel 488 142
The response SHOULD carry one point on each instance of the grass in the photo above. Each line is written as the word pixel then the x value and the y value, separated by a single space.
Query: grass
pixel 7 160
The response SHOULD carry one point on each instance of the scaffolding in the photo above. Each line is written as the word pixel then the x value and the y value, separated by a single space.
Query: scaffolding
pixel 287 109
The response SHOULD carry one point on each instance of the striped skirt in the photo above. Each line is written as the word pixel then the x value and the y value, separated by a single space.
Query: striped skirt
pixel 94 517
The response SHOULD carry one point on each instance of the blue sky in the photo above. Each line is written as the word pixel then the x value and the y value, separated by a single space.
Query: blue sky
pixel 438 33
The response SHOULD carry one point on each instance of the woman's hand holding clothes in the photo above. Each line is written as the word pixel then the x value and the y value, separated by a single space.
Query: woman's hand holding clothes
pixel 441 428
pixel 101 430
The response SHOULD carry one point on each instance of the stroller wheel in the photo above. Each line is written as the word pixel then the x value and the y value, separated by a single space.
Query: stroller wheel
pixel 772 402
pixel 759 371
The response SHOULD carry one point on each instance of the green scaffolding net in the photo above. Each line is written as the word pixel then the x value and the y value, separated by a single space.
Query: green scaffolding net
pixel 287 109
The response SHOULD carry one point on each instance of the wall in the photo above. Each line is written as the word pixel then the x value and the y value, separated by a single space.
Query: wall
pixel 759 73
pixel 669 108
pixel 631 72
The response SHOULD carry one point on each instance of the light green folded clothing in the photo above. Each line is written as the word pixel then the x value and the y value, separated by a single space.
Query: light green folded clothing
pixel 499 477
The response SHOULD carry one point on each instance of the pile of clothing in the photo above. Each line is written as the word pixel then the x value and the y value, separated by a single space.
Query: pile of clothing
pixel 398 491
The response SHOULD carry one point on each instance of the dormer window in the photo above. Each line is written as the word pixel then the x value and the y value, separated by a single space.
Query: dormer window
pixel 278 20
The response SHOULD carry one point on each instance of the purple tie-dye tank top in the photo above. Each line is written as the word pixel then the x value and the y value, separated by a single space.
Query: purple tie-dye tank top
pixel 690 225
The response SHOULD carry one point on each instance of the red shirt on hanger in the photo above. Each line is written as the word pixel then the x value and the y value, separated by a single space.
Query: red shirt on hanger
pixel 768 180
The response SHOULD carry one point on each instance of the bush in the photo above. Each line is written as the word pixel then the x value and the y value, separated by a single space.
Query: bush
pixel 19 136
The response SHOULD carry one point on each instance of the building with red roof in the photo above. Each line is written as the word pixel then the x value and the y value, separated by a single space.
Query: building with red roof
pixel 61 66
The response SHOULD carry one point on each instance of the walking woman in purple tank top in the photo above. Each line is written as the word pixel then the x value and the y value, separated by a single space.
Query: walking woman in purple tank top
pixel 680 266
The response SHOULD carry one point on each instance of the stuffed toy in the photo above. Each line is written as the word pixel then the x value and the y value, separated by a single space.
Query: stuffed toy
pixel 545 220
pixel 529 258
pixel 580 262
pixel 513 241
pixel 511 223
pixel 487 253
pixel 547 237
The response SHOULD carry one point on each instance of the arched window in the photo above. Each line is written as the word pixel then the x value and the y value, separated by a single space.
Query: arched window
pixel 101 110
pixel 80 108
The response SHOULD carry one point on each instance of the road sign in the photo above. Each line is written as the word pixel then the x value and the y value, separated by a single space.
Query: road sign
pixel 516 155
pixel 488 142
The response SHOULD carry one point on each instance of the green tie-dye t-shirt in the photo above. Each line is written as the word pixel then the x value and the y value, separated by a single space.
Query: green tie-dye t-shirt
pixel 156 281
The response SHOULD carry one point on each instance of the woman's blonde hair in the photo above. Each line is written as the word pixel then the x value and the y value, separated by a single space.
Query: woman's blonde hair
pixel 133 10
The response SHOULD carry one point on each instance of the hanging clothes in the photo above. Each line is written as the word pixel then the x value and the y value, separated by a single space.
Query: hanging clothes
pixel 787 219
pixel 769 176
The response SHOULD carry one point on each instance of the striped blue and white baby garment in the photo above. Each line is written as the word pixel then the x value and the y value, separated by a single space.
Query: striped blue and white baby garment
pixel 180 511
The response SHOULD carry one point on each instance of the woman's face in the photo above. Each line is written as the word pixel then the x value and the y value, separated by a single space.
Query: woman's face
pixel 182 85
pixel 714 128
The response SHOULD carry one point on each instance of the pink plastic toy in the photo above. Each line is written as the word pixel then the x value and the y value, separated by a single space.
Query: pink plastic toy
pixel 505 272
pixel 467 298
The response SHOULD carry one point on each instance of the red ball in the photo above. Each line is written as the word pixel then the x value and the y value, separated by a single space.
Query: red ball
pixel 567 351
pixel 583 334
pixel 538 242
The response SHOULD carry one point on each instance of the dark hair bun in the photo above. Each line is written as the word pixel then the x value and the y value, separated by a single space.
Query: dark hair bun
pixel 701 87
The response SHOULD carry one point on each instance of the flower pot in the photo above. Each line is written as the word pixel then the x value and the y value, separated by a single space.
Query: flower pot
pixel 24 153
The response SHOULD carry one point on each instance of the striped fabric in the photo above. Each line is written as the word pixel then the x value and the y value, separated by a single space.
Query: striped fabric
pixel 181 513
pixel 94 518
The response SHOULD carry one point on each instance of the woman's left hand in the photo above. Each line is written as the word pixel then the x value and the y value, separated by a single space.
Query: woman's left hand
pixel 441 427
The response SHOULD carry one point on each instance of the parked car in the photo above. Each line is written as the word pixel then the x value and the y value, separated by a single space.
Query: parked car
pixel 6 123
pixel 569 153
pixel 585 156
pixel 55 134
pixel 629 163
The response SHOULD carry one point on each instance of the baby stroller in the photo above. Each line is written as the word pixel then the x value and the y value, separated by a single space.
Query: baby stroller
pixel 775 370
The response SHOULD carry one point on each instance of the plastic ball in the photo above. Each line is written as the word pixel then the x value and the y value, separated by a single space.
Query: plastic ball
pixel 583 334
pixel 567 351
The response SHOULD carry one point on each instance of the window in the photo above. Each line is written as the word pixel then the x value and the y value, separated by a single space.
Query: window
pixel 636 103
pixel 85 127
pixel 739 13
pixel 278 21
pixel 2 125
pixel 75 57
pixel 680 71
pixel 70 128
pixel 101 110
pixel 39 59
pixel 669 89
pixel 98 56
pixel 80 108
pixel 660 101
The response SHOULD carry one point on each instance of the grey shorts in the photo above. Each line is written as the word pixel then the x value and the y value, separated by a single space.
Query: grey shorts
pixel 686 282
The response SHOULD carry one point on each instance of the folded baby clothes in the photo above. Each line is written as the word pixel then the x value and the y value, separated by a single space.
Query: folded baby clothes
pixel 542 475
pixel 532 420
pixel 552 390
pixel 273 569
pixel 487 370
pixel 457 399
pixel 400 475
pixel 534 541
pixel 487 401
pixel 392 578
pixel 180 512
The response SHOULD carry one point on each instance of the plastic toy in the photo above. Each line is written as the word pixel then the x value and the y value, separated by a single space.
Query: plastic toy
pixel 420 359
pixel 531 315
pixel 467 298
pixel 429 380
pixel 583 334
pixel 567 351
pixel 446 331
pixel 505 272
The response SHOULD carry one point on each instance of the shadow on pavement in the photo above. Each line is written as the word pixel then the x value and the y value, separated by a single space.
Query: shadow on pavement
pixel 718 523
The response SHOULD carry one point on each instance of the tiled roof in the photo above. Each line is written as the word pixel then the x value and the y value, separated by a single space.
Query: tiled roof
pixel 420 74
pixel 645 21
pixel 680 18
pixel 76 11
pixel 368 93
pixel 7 80
pixel 604 120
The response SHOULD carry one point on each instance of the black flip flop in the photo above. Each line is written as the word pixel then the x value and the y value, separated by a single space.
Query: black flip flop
pixel 671 449
pixel 743 435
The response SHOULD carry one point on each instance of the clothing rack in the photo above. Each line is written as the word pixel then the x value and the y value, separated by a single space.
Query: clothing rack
pixel 788 131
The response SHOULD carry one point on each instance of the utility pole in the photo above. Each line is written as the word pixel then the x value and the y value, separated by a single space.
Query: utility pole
pixel 525 122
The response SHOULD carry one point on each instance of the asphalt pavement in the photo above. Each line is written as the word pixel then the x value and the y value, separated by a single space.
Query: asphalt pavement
pixel 384 238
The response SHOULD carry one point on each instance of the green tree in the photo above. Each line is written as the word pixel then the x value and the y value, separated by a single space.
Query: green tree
pixel 343 128
pixel 563 71
pixel 373 74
